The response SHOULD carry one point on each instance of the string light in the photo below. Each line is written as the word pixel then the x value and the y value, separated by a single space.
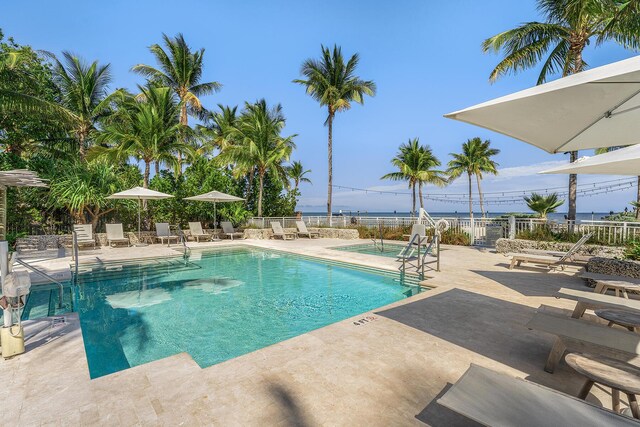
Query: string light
pixel 513 196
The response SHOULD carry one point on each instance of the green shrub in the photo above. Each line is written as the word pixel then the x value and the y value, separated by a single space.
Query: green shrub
pixel 633 251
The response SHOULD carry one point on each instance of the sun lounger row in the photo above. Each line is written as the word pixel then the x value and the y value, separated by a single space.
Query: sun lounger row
pixel 115 233
pixel 279 233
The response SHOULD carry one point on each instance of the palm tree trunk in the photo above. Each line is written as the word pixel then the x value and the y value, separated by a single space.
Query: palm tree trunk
pixel 413 199
pixel 81 140
pixel 330 155
pixel 260 193
pixel 573 188
pixel 421 196
pixel 470 200
pixel 638 199
pixel 480 196
pixel 157 168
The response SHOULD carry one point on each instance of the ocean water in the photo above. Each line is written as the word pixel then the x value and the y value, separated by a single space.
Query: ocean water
pixel 217 306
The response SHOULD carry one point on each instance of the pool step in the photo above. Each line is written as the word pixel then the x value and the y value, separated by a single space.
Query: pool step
pixel 94 273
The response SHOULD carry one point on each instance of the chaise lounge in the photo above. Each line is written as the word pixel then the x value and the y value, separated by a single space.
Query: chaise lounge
pixel 278 232
pixel 303 231
pixel 163 233
pixel 84 235
pixel 195 231
pixel 115 235
pixel 229 231
pixel 550 259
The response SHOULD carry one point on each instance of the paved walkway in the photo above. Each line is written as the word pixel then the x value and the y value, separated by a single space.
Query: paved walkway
pixel 388 371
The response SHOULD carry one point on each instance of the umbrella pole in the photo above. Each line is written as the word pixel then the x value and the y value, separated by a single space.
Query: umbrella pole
pixel 215 221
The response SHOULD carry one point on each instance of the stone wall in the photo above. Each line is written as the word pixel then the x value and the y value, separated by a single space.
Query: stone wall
pixel 51 242
pixel 519 245
pixel 614 267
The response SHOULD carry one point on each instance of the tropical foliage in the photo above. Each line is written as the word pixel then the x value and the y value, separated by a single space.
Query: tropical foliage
pixel 61 118
pixel 333 82
pixel 416 164
pixel 543 205
pixel 475 160
pixel 559 43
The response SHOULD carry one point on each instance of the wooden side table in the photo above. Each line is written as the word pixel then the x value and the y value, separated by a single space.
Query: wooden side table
pixel 616 374
pixel 627 319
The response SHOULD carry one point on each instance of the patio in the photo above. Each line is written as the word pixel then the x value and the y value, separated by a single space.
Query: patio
pixel 386 370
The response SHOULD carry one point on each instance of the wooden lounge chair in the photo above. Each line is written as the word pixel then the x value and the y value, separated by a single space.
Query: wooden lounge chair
pixel 195 230
pixel 584 336
pixel 587 275
pixel 84 235
pixel 163 233
pixel 116 235
pixel 496 399
pixel 278 231
pixel 229 231
pixel 593 300
pixel 551 261
pixel 302 230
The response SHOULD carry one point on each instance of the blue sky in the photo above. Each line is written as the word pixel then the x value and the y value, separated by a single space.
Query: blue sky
pixel 424 56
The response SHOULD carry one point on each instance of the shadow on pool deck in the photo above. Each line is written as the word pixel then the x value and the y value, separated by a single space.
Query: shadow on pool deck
pixel 538 285
pixel 290 408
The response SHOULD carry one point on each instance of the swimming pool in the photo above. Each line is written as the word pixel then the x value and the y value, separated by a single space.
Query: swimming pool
pixel 390 250
pixel 216 306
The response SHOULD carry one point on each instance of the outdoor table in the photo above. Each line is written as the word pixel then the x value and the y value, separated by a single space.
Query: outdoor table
pixel 619 375
pixel 620 287
pixel 628 319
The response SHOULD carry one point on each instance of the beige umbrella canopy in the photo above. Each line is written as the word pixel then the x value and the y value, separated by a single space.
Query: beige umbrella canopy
pixel 140 194
pixel 625 161
pixel 592 109
pixel 215 197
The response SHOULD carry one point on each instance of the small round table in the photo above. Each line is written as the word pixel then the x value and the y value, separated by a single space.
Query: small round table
pixel 619 375
pixel 626 318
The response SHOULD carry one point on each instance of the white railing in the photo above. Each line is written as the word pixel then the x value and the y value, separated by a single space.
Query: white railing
pixel 607 232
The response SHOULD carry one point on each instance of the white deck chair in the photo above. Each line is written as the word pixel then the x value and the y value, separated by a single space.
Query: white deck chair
pixel 550 261
pixel 278 231
pixel 195 229
pixel 229 231
pixel 303 231
pixel 163 233
pixel 116 235
pixel 84 235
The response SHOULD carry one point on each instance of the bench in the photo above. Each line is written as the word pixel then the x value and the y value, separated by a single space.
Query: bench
pixel 495 399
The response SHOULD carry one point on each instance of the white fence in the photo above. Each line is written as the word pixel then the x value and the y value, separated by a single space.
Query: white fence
pixel 606 232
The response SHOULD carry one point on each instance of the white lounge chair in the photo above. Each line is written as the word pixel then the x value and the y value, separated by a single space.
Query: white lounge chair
pixel 584 336
pixel 116 235
pixel 84 235
pixel 278 231
pixel 163 233
pixel 229 231
pixel 495 399
pixel 551 261
pixel 195 230
pixel 302 230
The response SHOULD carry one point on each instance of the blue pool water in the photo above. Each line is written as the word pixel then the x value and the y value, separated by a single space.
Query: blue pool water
pixel 389 250
pixel 216 306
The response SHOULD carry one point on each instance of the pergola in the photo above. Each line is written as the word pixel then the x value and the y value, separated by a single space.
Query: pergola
pixel 14 178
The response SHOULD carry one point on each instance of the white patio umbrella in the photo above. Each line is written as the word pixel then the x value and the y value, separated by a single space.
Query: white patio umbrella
pixel 625 161
pixel 592 109
pixel 140 194
pixel 215 197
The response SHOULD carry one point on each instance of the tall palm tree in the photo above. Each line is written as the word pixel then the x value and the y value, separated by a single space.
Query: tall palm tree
pixel 543 205
pixel 297 173
pixel 559 42
pixel 334 84
pixel 415 165
pixel 257 144
pixel 475 160
pixel 216 129
pixel 181 70
pixel 146 128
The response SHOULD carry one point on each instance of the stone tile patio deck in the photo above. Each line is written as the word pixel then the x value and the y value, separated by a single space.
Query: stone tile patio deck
pixel 388 371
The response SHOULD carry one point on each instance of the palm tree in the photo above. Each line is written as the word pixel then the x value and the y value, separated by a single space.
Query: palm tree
pixel 475 160
pixel 83 188
pixel 334 84
pixel 415 165
pixel 569 28
pixel 543 205
pixel 146 128
pixel 297 173
pixel 216 129
pixel 181 70
pixel 257 144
